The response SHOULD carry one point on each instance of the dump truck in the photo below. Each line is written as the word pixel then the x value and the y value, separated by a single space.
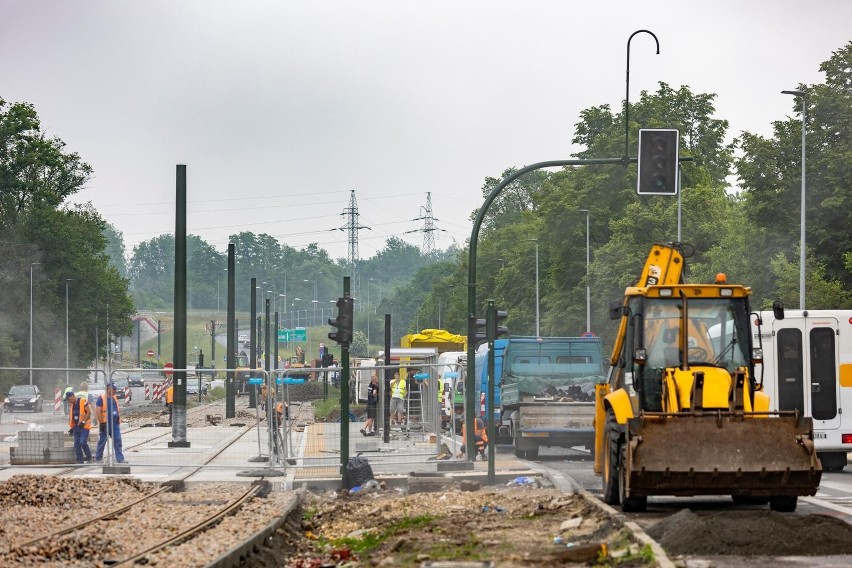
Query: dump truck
pixel 682 412
pixel 545 391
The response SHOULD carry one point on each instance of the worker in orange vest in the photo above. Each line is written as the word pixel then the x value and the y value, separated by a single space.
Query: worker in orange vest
pixel 170 397
pixel 79 422
pixel 106 409
pixel 480 437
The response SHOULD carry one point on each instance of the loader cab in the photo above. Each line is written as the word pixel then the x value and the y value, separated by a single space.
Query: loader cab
pixel 717 335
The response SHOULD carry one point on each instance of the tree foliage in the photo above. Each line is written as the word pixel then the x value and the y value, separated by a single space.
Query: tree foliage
pixel 51 249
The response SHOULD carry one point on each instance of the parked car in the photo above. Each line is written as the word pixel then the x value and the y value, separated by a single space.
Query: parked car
pixel 136 380
pixel 192 386
pixel 24 397
pixel 120 385
pixel 95 392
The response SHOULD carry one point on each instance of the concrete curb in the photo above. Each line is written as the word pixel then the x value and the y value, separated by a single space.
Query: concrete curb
pixel 567 485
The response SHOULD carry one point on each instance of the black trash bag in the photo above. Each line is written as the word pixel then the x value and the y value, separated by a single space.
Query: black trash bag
pixel 359 471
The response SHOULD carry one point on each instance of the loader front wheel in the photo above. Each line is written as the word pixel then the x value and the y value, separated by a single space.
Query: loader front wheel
pixel 783 503
pixel 611 454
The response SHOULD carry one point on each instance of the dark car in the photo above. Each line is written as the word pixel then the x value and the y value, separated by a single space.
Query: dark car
pixel 24 397
pixel 136 380
pixel 120 386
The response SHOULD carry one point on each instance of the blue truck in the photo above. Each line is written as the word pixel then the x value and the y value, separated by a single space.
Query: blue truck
pixel 544 391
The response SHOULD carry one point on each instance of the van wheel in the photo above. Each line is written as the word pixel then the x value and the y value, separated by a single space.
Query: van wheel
pixel 629 504
pixel 783 503
pixel 611 453
pixel 532 454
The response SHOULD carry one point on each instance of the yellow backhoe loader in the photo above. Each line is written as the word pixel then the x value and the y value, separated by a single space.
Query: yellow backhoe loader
pixel 682 413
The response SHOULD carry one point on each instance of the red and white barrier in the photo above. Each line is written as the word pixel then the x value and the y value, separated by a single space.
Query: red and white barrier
pixel 482 404
pixel 127 396
pixel 147 392
pixel 158 391
pixel 57 400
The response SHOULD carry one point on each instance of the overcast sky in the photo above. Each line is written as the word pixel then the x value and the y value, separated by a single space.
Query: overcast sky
pixel 281 109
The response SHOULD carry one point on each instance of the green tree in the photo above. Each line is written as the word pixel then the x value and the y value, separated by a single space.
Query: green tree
pixel 62 247
pixel 770 174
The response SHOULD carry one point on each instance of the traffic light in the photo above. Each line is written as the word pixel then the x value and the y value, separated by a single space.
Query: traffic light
pixel 658 159
pixel 476 330
pixel 343 323
pixel 497 329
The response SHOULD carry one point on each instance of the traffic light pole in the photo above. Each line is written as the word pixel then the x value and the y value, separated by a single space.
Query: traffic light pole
pixel 490 327
pixel 343 336
pixel 470 378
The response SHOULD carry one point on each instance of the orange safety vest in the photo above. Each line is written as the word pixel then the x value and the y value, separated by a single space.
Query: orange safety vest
pixel 479 432
pixel 102 409
pixel 82 412
pixel 170 393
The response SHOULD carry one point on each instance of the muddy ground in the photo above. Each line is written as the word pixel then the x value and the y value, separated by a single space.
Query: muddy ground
pixel 510 526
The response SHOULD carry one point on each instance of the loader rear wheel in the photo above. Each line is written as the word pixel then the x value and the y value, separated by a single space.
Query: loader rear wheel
pixel 611 454
pixel 783 503
pixel 629 504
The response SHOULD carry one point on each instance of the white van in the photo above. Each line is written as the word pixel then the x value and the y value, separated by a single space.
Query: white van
pixel 451 373
pixel 807 366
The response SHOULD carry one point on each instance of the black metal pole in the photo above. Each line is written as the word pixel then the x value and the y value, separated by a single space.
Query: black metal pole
pixel 275 359
pixel 388 377
pixel 253 338
pixel 344 401
pixel 179 350
pixel 490 328
pixel 625 160
pixel 231 358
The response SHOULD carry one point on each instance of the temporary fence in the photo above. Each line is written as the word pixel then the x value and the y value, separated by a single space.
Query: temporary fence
pixel 283 430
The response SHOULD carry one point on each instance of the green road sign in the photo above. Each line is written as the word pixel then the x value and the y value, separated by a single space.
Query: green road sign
pixel 298 334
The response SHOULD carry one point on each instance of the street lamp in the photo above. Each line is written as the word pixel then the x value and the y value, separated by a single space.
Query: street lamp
pixel 588 292
pixel 803 95
pixel 537 310
pixel 32 264
pixel 67 366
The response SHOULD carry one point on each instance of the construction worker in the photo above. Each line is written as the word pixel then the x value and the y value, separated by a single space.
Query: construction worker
pixel 480 437
pixel 170 397
pixel 79 422
pixel 106 410
pixel 83 392
pixel 65 404
pixel 397 406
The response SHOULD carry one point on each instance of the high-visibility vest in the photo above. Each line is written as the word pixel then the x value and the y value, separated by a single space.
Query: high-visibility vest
pixel 398 390
pixel 479 432
pixel 79 414
pixel 101 410
pixel 170 394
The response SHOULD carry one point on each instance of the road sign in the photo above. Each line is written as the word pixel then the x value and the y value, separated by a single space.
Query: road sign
pixel 150 353
pixel 588 334
pixel 298 334
pixel 167 369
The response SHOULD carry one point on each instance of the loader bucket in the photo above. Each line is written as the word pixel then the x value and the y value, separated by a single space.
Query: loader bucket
pixel 721 454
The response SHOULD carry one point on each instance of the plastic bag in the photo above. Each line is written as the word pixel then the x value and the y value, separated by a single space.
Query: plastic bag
pixel 359 471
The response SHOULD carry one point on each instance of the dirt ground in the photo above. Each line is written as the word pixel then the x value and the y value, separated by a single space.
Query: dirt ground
pixel 752 533
pixel 511 526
